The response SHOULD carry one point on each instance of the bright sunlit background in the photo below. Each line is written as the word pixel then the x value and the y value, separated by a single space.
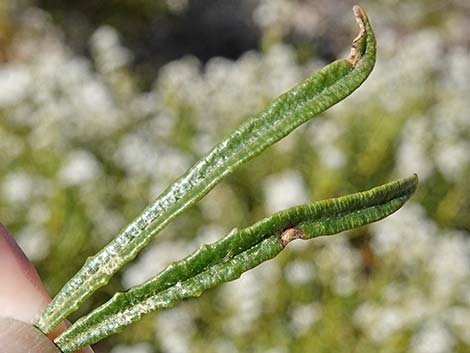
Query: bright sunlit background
pixel 104 103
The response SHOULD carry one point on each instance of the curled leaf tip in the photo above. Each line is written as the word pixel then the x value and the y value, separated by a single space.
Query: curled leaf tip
pixel 361 18
pixel 412 182
pixel 359 13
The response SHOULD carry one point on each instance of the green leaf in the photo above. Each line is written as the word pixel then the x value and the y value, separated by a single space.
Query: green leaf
pixel 240 251
pixel 317 93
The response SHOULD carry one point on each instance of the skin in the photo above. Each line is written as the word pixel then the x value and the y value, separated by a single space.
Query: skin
pixel 22 298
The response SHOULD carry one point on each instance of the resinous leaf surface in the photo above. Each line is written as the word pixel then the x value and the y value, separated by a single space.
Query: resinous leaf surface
pixel 309 98
pixel 241 250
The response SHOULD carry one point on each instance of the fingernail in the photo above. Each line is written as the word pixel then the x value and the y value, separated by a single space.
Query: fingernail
pixel 19 337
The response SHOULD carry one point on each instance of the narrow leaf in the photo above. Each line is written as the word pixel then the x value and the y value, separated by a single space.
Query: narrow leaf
pixel 309 98
pixel 241 250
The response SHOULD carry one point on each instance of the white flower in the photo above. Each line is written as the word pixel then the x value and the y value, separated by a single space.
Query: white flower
pixel 80 167
pixel 34 243
pixel 339 263
pixel 174 327
pixel 411 154
pixel 450 265
pixel 177 6
pixel 378 322
pixel 107 50
pixel 332 156
pixel 137 155
pixel 284 190
pixel 15 82
pixel 453 159
pixel 299 272
pixel 270 12
pixel 434 337
pixel 408 234
pixel 17 187
pixel 244 297
pixel 304 316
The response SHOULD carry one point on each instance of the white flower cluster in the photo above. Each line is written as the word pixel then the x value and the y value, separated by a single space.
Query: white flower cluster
pixel 430 288
pixel 77 135
pixel 174 329
pixel 284 191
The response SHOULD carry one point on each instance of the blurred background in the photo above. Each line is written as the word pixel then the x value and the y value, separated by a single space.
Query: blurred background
pixel 104 103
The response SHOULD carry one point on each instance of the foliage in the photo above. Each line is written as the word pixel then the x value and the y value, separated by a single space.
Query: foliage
pixel 70 128
pixel 228 258
pixel 307 99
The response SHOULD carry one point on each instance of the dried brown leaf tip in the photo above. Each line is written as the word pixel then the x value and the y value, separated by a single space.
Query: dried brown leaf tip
pixel 361 17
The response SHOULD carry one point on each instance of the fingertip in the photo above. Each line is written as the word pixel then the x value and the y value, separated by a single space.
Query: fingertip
pixel 22 298
pixel 22 295
pixel 20 337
